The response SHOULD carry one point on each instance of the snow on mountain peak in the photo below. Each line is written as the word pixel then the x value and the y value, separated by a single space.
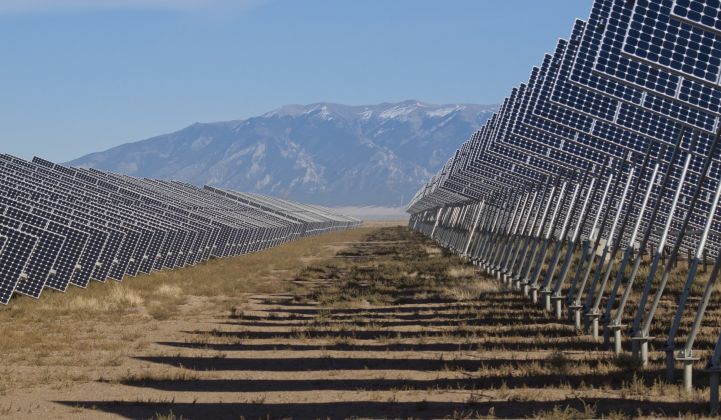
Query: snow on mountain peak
pixel 366 115
pixel 376 155
pixel 397 111
pixel 321 111
pixel 442 112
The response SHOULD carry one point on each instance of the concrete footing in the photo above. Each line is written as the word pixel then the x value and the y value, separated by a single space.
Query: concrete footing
pixel 688 375
pixel 594 328
pixel 577 318
pixel 546 300
pixel 644 352
pixel 687 361
pixel 559 307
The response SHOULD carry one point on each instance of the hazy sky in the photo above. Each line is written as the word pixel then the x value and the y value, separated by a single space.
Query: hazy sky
pixel 78 76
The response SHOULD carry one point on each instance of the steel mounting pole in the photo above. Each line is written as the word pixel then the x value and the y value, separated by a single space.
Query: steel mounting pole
pixel 533 280
pixel 616 323
pixel 640 333
pixel 591 315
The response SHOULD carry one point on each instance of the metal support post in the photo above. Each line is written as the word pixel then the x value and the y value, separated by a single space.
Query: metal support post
pixel 639 336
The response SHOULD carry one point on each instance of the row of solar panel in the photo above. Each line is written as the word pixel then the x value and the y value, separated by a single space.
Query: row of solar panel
pixel 572 115
pixel 614 142
pixel 63 226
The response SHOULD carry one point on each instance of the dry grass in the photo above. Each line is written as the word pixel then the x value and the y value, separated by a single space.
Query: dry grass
pixel 471 290
pixel 160 376
pixel 377 322
pixel 462 272
pixel 567 412
pixel 547 359
pixel 109 321
pixel 119 299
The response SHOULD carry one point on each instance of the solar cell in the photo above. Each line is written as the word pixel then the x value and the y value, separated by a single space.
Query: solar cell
pixel 704 13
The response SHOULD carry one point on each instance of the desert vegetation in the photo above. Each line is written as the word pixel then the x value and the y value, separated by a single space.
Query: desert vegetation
pixel 376 322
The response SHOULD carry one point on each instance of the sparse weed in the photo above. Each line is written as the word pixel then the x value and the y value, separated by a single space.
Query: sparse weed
pixel 402 297
pixel 169 416
pixel 558 362
pixel 587 411
pixel 627 362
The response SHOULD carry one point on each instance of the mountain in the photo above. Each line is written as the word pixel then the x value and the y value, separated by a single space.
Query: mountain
pixel 323 153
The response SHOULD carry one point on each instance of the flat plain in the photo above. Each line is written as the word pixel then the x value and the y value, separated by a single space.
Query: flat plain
pixel 375 322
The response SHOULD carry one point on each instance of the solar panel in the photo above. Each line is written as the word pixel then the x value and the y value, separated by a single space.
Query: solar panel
pixel 14 259
pixel 698 221
pixel 566 95
pixel 617 66
pixel 601 142
pixel 70 253
pixel 146 235
pixel 80 225
pixel 639 76
pixel 45 255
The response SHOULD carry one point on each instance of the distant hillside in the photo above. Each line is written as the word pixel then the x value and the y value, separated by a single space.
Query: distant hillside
pixel 323 153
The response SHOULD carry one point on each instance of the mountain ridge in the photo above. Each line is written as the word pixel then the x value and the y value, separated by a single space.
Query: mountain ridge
pixel 325 153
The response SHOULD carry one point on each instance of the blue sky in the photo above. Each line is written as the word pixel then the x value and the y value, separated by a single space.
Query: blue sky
pixel 78 76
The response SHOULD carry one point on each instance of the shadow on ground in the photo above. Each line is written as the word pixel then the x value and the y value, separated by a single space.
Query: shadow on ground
pixel 375 409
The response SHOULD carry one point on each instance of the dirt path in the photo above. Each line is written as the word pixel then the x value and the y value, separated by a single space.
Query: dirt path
pixel 394 329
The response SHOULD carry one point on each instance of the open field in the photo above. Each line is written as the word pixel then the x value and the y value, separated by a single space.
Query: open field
pixel 375 322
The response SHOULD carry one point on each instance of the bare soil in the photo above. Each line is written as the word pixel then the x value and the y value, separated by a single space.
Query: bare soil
pixel 373 323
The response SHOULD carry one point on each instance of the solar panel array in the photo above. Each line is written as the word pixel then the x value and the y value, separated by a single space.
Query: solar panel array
pixel 609 151
pixel 62 227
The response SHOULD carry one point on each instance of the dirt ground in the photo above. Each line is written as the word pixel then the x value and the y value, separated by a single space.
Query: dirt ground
pixel 375 322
